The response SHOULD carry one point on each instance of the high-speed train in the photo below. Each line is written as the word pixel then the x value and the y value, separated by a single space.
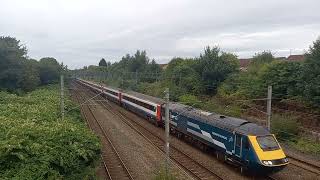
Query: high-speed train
pixel 235 140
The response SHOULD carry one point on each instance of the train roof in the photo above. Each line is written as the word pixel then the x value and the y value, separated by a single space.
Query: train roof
pixel 133 93
pixel 252 129
pixel 145 97
pixel 224 122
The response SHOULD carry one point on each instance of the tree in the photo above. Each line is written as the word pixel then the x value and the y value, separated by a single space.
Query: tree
pixel 31 75
pixel 283 76
pixel 138 62
pixel 49 70
pixel 259 60
pixel 310 79
pixel 103 62
pixel 183 74
pixel 214 67
pixel 12 55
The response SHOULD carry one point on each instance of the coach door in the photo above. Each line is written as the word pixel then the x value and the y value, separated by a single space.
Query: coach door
pixel 238 145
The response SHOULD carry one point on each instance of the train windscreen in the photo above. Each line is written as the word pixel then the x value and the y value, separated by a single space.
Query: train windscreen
pixel 268 143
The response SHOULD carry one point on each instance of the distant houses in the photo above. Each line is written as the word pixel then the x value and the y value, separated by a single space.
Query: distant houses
pixel 163 66
pixel 244 63
pixel 296 58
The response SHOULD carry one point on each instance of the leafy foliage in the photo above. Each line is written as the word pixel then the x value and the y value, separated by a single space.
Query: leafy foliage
pixel 283 76
pixel 36 144
pixel 190 100
pixel 49 70
pixel 214 67
pixel 285 127
pixel 18 73
pixel 310 80
pixel 103 62
pixel 307 145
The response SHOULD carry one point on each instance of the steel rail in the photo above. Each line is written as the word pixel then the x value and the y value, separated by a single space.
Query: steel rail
pixel 111 145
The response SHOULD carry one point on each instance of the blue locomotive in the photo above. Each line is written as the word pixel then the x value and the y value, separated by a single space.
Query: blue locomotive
pixel 236 140
pixel 239 141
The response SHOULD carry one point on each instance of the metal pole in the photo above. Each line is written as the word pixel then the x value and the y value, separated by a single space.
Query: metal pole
pixel 136 77
pixel 62 96
pixel 167 131
pixel 269 107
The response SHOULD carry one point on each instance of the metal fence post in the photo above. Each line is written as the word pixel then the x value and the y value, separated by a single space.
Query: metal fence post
pixel 62 96
pixel 167 131
pixel 269 107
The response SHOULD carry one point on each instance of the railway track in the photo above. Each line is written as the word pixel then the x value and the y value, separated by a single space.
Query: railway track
pixel 193 167
pixel 304 165
pixel 113 164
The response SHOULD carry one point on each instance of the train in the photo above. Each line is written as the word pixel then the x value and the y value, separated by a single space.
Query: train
pixel 248 145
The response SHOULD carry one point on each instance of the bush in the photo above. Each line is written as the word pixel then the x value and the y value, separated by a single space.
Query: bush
pixel 190 100
pixel 36 144
pixel 284 127
pixel 306 145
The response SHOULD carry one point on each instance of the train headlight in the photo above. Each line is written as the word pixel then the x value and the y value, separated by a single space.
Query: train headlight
pixel 267 162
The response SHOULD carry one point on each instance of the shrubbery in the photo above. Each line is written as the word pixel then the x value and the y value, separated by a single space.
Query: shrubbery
pixel 36 144
pixel 285 127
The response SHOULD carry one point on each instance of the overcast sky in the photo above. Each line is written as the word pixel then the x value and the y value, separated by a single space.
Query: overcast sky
pixel 81 32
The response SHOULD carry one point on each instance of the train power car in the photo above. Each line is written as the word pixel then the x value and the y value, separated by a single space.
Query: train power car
pixel 239 141
pixel 236 140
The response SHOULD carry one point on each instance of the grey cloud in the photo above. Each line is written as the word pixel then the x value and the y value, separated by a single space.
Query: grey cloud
pixel 80 32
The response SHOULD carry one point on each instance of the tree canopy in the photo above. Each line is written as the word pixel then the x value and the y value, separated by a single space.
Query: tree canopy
pixel 214 67
pixel 19 73
pixel 103 62
pixel 310 79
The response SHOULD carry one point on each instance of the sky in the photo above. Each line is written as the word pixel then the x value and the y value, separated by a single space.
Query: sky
pixel 81 32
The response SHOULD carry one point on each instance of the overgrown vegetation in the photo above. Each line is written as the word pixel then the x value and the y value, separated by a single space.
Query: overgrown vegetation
pixel 36 144
pixel 306 145
pixel 19 73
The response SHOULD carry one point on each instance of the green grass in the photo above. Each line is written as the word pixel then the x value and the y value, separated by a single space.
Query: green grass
pixel 161 174
pixel 285 127
pixel 306 145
